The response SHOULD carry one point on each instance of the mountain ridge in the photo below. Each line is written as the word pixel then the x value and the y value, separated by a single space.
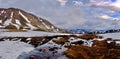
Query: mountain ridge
pixel 14 18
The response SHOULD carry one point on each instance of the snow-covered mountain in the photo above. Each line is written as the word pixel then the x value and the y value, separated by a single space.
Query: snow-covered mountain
pixel 90 31
pixel 13 18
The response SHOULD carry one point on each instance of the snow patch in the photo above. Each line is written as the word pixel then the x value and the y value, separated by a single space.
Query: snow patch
pixel 86 42
pixel 28 38
pixel 11 14
pixel 52 27
pixel 45 25
pixel 0 21
pixel 2 12
pixel 18 22
pixel 7 22
pixel 24 17
pixel 31 26
pixel 41 20
pixel 17 26
pixel 111 35
pixel 12 49
pixel 30 34
pixel 118 42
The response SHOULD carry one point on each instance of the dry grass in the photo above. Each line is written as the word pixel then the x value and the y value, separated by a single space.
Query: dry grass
pixel 15 30
pixel 89 36
pixel 99 50
pixel 61 40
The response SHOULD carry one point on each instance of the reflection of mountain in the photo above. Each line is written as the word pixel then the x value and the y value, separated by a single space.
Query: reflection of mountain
pixel 13 18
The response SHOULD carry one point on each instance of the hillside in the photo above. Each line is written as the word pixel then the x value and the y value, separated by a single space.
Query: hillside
pixel 13 18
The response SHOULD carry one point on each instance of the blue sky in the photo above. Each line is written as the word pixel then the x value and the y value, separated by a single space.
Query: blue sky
pixel 69 14
pixel 113 0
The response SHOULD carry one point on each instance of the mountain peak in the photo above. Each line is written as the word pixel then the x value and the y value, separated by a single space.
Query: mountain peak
pixel 14 18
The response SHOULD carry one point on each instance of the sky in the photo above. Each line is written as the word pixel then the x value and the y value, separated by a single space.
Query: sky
pixel 72 14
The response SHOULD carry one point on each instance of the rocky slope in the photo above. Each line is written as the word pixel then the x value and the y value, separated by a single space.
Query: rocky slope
pixel 13 18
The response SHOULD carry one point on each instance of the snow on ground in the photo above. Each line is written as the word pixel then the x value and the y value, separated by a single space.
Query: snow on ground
pixel 43 55
pixel 12 49
pixel 61 48
pixel 20 50
pixel 29 34
pixel 86 42
pixel 111 35
pixel 114 36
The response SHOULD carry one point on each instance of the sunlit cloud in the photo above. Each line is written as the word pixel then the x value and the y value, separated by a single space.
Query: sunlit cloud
pixel 108 17
pixel 100 2
pixel 62 2
pixel 113 3
pixel 116 4
pixel 77 3
pixel 105 17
